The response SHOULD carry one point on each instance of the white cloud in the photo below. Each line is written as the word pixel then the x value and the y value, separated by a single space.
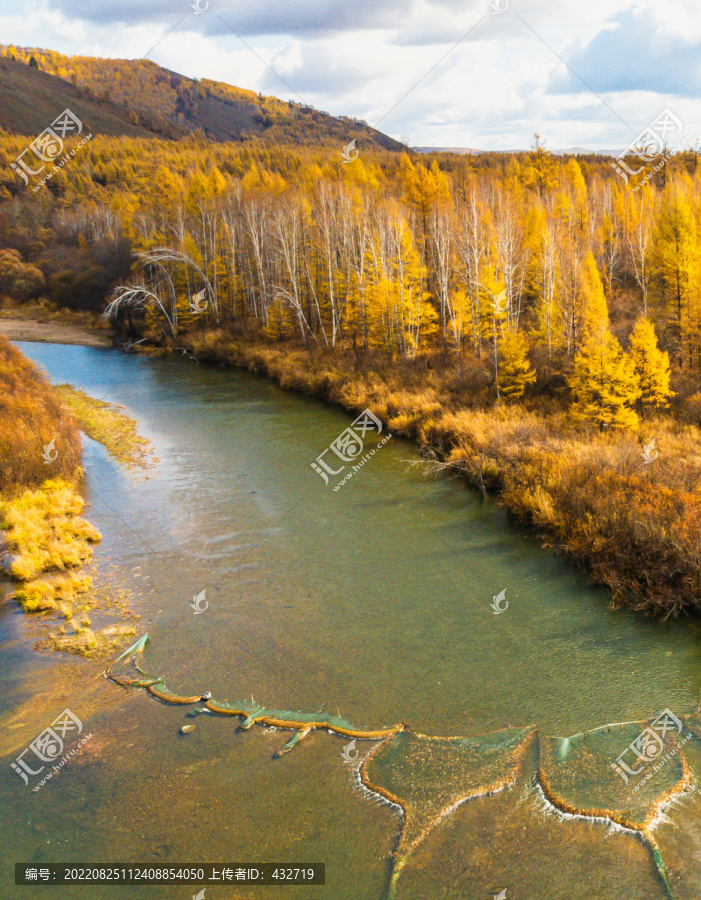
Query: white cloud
pixel 504 81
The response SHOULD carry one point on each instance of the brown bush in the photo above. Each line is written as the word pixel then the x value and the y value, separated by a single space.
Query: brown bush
pixel 31 416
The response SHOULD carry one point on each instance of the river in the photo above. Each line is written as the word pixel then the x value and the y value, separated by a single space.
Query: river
pixel 373 600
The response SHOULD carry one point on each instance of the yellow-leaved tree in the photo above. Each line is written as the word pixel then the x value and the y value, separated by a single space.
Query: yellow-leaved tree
pixel 423 188
pixel 595 311
pixel 677 258
pixel 651 366
pixel 515 372
pixel 604 383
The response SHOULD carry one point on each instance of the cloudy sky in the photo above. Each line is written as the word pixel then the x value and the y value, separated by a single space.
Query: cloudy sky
pixel 449 73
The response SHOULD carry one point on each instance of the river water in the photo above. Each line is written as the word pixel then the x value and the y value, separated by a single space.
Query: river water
pixel 374 601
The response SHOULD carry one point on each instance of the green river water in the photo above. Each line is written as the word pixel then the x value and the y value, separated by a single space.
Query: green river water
pixel 373 600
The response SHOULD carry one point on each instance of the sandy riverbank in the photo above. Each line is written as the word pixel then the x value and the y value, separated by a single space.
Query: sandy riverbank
pixel 34 325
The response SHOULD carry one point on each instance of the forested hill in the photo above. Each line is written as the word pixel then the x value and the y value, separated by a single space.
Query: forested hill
pixel 132 97
pixel 30 100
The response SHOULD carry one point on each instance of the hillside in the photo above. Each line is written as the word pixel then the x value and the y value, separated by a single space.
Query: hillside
pixel 48 96
pixel 138 96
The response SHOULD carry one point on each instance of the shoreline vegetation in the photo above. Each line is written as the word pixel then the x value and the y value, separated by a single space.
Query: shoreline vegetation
pixel 46 324
pixel 44 541
pixel 108 425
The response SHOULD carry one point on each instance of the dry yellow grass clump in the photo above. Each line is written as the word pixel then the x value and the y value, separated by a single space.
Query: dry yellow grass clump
pixel 88 643
pixel 58 593
pixel 106 423
pixel 43 530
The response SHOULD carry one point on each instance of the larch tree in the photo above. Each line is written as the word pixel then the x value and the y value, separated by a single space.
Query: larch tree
pixel 595 312
pixel 579 295
pixel 573 197
pixel 651 366
pixel 678 263
pixel 423 188
pixel 604 383
pixel 515 372
pixel 540 170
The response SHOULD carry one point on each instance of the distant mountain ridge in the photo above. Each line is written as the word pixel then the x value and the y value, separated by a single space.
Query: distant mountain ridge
pixel 459 150
pixel 134 97
pixel 568 151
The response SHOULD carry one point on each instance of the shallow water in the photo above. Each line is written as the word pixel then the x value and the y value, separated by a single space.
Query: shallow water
pixel 373 600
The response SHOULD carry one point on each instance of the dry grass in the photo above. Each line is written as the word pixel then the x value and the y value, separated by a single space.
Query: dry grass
pixel 31 416
pixel 40 519
pixel 634 525
pixel 104 422
pixel 88 643
pixel 75 599
pixel 58 593
pixel 44 531
pixel 44 311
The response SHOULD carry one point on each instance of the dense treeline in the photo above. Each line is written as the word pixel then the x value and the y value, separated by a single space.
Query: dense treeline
pixel 528 266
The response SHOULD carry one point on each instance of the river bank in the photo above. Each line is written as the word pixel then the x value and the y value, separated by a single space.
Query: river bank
pixel 30 323
pixel 44 541
pixel 306 589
